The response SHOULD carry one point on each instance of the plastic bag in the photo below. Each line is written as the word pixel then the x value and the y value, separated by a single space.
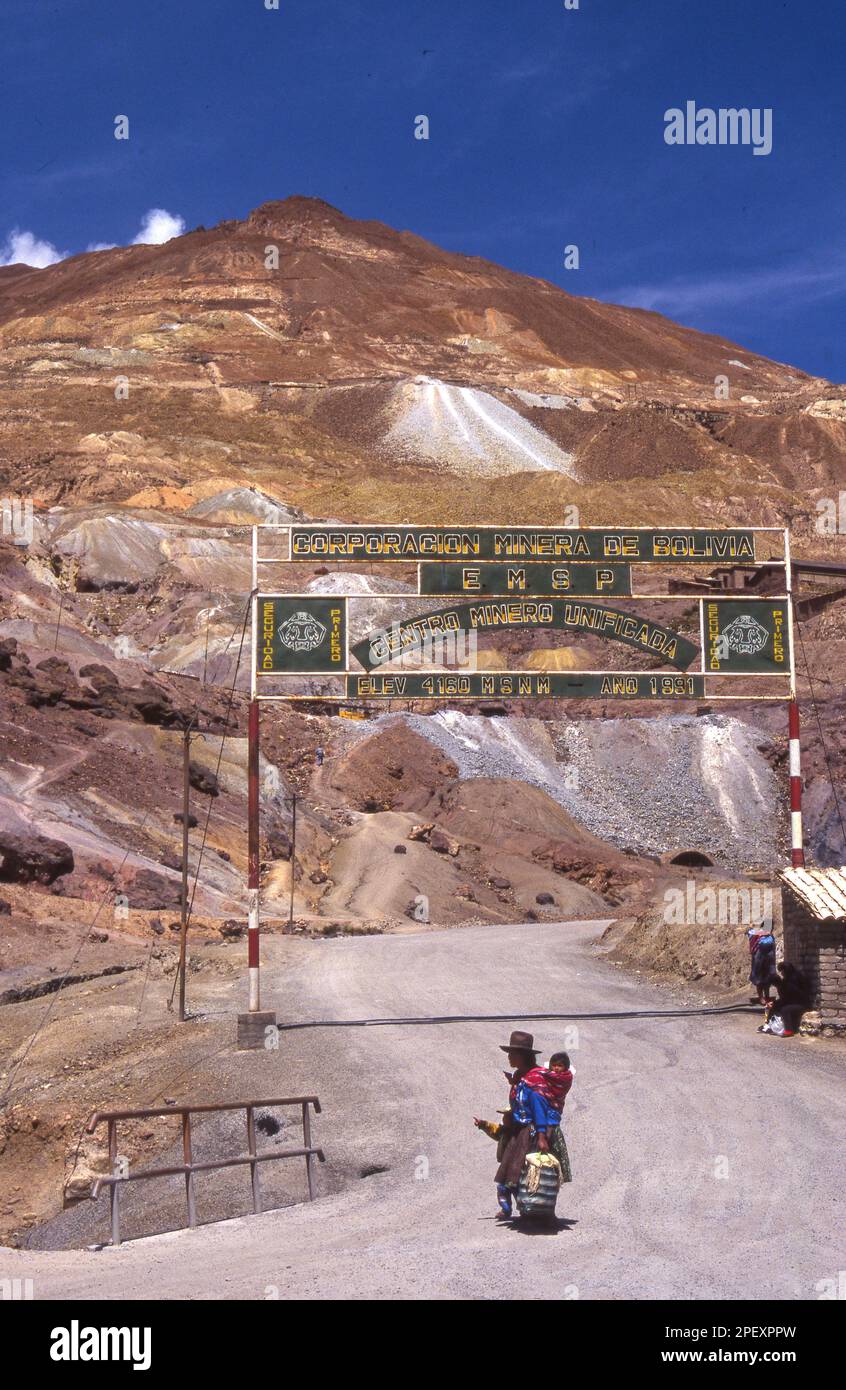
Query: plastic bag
pixel 774 1025
pixel 538 1187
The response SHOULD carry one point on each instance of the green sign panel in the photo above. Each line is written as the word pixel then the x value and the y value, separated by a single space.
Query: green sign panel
pixel 745 635
pixel 492 578
pixel 300 634
pixel 478 685
pixel 509 543
pixel 538 614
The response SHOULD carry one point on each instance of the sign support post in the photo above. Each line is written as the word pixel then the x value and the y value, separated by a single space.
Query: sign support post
pixel 797 847
pixel 183 915
pixel 257 1025
pixel 253 868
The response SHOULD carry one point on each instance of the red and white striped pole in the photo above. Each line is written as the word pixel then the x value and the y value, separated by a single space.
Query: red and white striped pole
pixel 253 830
pixel 797 852
pixel 253 868
pixel 257 1027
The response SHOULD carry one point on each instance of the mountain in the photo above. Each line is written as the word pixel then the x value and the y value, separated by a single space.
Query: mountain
pixel 157 398
pixel 372 375
pixel 153 400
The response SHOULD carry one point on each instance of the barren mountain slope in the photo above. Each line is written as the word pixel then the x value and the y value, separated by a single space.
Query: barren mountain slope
pixel 374 375
pixel 156 401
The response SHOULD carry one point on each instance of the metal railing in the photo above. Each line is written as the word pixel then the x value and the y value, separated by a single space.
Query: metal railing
pixel 188 1168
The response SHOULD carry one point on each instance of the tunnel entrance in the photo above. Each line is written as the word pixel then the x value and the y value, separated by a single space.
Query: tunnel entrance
pixel 691 859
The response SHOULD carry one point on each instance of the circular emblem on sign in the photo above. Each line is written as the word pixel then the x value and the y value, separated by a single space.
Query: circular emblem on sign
pixel 745 634
pixel 302 632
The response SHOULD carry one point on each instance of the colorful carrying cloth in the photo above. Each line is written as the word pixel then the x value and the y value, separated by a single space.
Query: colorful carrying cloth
pixel 538 1097
pixel 552 1085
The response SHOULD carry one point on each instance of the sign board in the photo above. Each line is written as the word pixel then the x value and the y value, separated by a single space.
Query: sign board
pixel 547 580
pixel 539 614
pixel 745 635
pixel 300 634
pixel 675 546
pixel 495 579
pixel 476 685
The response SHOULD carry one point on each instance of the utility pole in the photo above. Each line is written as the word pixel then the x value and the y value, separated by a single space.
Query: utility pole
pixel 253 855
pixel 183 932
pixel 256 1025
pixel 293 854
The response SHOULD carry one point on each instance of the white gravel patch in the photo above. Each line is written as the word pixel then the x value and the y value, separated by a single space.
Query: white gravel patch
pixel 645 785
pixel 472 432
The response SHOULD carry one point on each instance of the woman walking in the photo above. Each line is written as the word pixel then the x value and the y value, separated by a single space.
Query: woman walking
pixel 532 1121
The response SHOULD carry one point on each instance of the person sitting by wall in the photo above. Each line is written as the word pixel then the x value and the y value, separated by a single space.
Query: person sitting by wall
pixel 793 997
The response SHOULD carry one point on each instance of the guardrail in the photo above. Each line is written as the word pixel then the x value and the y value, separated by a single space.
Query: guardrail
pixel 189 1167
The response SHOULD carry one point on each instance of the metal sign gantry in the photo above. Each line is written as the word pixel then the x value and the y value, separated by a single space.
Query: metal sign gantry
pixel 532 578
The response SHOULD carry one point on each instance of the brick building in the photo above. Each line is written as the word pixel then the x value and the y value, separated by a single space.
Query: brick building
pixel 814 929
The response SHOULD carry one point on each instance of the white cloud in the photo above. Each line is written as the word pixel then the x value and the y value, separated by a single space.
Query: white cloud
pixel 803 282
pixel 158 226
pixel 23 248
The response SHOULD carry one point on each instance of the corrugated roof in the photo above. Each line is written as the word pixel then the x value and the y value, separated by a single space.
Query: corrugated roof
pixel 821 890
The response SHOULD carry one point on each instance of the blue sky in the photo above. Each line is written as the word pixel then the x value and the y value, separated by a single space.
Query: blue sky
pixel 546 130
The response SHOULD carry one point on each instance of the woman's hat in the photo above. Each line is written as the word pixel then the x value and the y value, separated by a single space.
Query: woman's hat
pixel 520 1042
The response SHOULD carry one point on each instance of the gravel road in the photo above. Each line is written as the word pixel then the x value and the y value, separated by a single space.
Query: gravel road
pixel 705 1155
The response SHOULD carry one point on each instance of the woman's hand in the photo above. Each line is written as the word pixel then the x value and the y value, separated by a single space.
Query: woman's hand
pixel 543 1142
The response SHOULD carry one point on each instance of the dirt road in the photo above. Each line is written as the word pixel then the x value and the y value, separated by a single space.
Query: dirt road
pixel 705 1155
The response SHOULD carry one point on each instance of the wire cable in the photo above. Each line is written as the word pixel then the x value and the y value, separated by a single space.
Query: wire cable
pixel 716 1009
pixel 55 994
pixel 144 982
pixel 217 772
pixel 109 893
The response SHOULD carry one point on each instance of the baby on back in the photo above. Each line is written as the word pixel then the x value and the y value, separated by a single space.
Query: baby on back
pixel 543 1091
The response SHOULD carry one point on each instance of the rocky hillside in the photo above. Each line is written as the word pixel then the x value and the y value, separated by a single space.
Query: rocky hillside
pixel 159 399
pixel 353 370
pixel 155 401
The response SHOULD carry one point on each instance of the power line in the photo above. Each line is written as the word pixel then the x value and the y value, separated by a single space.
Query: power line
pixel 90 927
pixel 55 995
pixel 217 768
pixel 144 983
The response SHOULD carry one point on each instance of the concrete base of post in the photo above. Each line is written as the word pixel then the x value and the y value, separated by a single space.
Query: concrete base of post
pixel 257 1031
